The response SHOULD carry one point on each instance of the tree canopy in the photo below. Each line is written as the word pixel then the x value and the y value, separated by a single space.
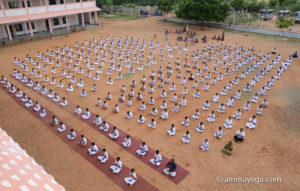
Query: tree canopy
pixel 203 10
pixel 165 5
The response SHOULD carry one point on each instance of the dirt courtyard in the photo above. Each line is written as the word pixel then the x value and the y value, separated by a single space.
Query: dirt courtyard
pixel 272 149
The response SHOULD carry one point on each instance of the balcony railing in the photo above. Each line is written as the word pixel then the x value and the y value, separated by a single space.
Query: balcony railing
pixel 43 9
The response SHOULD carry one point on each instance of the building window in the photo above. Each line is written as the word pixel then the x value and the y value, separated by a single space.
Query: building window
pixel 13 4
pixel 28 4
pixel 19 27
pixel 61 1
pixel 55 21
pixel 64 21
pixel 32 25
pixel 52 2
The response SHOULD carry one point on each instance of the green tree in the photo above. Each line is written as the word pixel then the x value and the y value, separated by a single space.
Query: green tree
pixel 238 4
pixel 203 10
pixel 165 5
pixel 295 7
pixel 272 3
pixel 100 3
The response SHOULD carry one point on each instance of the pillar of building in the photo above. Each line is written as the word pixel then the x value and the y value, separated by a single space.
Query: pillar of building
pixel 67 20
pixel 8 31
pixel 47 5
pixel 82 20
pixel 30 28
pixel 96 17
pixel 2 7
pixel 50 25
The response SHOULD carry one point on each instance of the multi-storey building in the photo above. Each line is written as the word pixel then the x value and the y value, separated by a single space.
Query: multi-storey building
pixel 21 17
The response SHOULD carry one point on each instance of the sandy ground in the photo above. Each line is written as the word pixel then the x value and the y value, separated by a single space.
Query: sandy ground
pixel 271 150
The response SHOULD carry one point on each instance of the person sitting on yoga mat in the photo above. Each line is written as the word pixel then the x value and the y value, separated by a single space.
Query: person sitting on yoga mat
pixel 117 167
pixel 171 168
pixel 132 178
pixel 142 151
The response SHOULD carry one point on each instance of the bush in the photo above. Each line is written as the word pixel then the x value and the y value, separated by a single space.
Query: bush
pixel 285 23
pixel 130 5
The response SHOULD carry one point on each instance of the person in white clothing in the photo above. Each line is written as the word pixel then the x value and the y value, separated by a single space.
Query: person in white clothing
pixel 164 114
pixel 259 110
pixel 93 149
pixel 239 135
pixel 141 119
pixel 117 167
pixel 219 133
pixel 64 102
pixel 43 113
pixel 127 142
pixel 54 121
pixel 87 114
pixel 37 106
pixel 251 124
pixel 204 146
pixel 186 137
pixel 132 178
pixel 200 127
pixel 206 106
pixel 186 121
pixel 115 133
pixel 104 127
pixel 29 103
pixel 62 127
pixel 237 114
pixel 98 120
pixel 211 117
pixel 228 123
pixel 221 108
pixel 157 158
pixel 83 141
pixel 129 115
pixel 71 135
pixel 196 114
pixel 152 124
pixel 77 110
pixel 142 151
pixel 104 157
pixel 172 130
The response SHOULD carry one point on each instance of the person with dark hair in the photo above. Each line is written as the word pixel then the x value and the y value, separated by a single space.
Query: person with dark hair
pixel 117 167
pixel 132 178
pixel 228 148
pixel 239 135
pixel 295 55
pixel 142 151
pixel 171 168
pixel 157 158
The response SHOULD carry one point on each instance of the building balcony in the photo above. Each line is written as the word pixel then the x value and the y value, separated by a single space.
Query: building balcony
pixel 39 12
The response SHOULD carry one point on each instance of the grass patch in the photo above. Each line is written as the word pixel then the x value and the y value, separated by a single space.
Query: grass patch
pixel 127 76
pixel 122 17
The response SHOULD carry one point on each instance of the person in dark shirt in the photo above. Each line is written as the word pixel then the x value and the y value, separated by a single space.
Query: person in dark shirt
pixel 171 168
